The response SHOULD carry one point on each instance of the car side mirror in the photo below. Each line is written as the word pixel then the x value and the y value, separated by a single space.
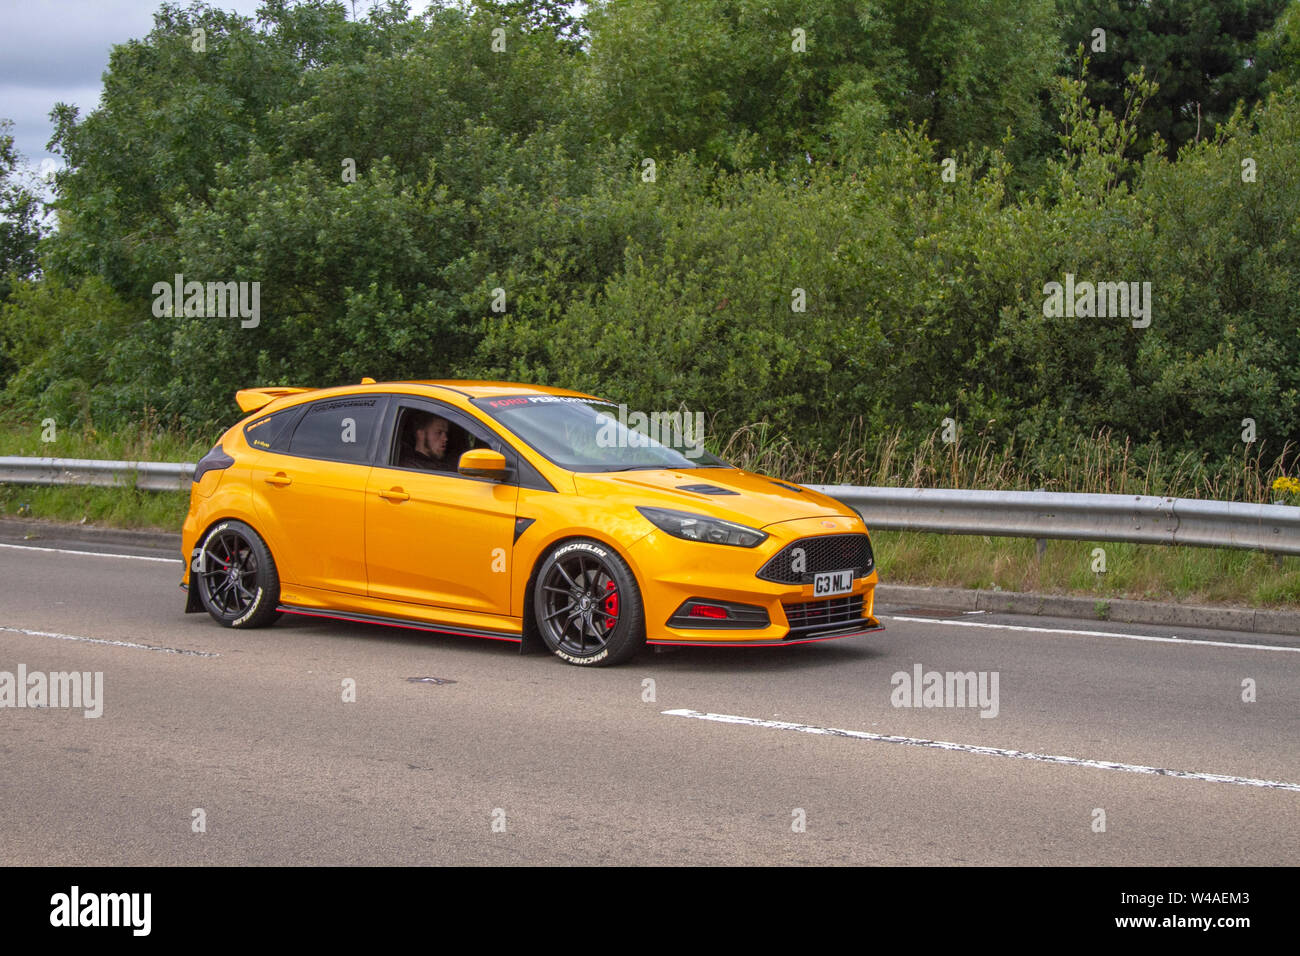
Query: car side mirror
pixel 483 463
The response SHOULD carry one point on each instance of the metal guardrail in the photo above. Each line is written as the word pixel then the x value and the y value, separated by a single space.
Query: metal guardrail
pixel 149 475
pixel 1142 519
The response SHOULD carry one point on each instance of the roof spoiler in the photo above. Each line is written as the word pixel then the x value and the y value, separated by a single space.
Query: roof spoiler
pixel 251 399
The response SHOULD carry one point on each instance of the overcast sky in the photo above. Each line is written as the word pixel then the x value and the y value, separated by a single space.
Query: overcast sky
pixel 57 50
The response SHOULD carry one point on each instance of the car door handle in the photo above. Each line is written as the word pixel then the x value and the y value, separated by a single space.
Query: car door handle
pixel 394 494
pixel 279 479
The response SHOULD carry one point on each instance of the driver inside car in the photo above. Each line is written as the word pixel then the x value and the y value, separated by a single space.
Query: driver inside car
pixel 428 444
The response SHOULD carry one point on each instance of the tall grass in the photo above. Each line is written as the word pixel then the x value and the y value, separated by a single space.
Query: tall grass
pixel 1100 463
pixel 150 439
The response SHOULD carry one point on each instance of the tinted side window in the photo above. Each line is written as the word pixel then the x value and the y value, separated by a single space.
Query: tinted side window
pixel 271 433
pixel 459 439
pixel 339 430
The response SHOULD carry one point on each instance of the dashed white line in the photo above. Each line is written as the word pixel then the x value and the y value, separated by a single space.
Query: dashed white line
pixel 101 640
pixel 92 554
pixel 986 751
pixel 1061 630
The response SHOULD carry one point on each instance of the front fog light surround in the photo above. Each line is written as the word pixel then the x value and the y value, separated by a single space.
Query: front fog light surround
pixel 693 527
pixel 708 614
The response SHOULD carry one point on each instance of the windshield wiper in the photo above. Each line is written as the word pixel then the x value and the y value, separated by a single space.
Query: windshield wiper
pixel 659 467
pixel 637 468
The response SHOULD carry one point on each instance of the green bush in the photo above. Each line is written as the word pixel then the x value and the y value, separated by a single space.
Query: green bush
pixel 845 245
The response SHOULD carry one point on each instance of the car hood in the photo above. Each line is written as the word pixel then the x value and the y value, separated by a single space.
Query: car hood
pixel 754 500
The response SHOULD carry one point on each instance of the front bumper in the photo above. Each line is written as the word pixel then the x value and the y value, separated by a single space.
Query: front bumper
pixel 673 572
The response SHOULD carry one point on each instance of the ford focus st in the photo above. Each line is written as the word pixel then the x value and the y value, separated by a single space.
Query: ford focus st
pixel 519 513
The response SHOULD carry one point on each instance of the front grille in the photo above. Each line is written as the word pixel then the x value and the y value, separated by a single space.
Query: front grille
pixel 830 614
pixel 826 552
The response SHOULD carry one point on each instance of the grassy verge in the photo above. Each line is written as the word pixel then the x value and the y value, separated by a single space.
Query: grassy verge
pixel 1137 571
pixel 109 507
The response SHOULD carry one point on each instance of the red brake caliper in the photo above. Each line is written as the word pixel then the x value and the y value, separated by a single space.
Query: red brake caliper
pixel 611 605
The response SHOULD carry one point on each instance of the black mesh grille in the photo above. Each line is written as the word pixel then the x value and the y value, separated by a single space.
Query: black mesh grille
pixel 827 615
pixel 826 552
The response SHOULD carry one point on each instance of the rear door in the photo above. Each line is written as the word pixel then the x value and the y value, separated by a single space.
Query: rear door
pixel 435 537
pixel 309 485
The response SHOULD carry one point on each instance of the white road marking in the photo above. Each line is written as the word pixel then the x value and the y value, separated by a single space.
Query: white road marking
pixel 1061 630
pixel 93 554
pixel 986 751
pixel 100 640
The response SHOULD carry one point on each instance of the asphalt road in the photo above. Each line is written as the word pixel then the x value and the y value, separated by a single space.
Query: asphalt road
pixel 524 759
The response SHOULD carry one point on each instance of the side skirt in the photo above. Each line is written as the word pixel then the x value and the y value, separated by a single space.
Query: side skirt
pixel 353 616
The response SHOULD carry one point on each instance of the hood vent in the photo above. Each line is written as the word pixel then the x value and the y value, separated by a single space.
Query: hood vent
pixel 707 490
pixel 794 488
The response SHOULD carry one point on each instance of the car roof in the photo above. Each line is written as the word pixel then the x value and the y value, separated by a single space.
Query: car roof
pixel 476 388
pixel 274 398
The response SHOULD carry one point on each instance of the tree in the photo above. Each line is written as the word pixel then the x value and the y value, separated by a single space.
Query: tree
pixel 1280 53
pixel 1202 54
pixel 752 82
pixel 21 228
pixel 21 225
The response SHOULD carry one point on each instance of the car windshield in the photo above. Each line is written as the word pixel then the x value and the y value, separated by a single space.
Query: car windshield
pixel 584 434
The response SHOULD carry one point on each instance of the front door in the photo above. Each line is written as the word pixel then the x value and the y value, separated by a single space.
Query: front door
pixel 434 537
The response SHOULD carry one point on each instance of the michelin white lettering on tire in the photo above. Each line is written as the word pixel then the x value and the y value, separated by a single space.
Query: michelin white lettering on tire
pixel 237 578
pixel 587 605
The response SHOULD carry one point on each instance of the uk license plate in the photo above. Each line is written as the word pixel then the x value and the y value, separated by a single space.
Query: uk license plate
pixel 832 582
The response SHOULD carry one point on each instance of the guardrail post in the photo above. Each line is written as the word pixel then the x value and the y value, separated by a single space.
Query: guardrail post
pixel 1040 544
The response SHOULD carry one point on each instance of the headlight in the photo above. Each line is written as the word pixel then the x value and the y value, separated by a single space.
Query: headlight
pixel 683 524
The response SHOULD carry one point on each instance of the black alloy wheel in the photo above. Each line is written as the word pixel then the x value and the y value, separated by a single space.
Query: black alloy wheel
pixel 588 606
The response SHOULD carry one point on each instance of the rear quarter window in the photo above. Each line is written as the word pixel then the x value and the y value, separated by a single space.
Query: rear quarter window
pixel 271 432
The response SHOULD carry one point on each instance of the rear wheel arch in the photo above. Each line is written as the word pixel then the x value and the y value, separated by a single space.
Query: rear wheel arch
pixel 251 596
pixel 193 603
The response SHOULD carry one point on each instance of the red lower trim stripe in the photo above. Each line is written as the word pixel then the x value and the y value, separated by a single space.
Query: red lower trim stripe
pixel 395 622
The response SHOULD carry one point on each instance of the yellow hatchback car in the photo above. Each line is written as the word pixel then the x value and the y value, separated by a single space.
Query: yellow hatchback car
pixel 514 512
